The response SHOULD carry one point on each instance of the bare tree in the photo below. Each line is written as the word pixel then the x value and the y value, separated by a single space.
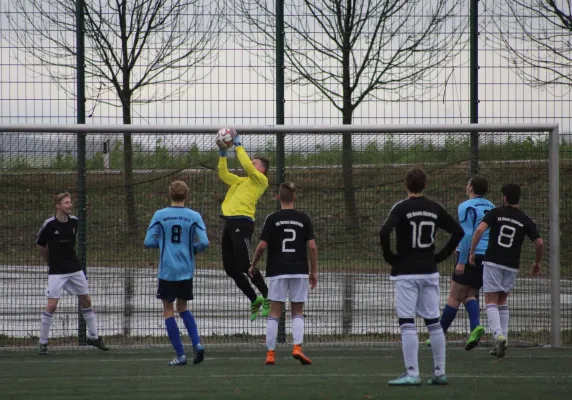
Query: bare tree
pixel 536 36
pixel 351 50
pixel 139 51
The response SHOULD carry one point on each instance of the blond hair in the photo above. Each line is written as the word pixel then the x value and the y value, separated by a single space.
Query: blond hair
pixel 287 192
pixel 59 196
pixel 178 191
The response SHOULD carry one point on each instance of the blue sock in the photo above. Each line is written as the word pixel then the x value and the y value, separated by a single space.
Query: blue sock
pixel 191 326
pixel 449 314
pixel 472 308
pixel 174 335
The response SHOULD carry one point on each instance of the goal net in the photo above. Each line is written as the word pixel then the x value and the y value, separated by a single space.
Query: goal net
pixel 347 191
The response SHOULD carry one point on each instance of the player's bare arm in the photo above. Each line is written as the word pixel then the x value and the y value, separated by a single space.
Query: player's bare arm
pixel 257 255
pixel 538 252
pixel 313 263
pixel 44 252
pixel 476 239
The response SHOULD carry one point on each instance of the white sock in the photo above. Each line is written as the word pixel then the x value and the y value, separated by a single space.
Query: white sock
pixel 298 329
pixel 504 315
pixel 271 332
pixel 91 322
pixel 45 326
pixel 494 320
pixel 410 347
pixel 438 347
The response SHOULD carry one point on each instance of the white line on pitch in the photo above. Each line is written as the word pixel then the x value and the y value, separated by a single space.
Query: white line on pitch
pixel 14 360
pixel 240 376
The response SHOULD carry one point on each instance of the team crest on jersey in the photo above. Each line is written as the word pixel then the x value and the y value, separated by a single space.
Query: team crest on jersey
pixel 56 233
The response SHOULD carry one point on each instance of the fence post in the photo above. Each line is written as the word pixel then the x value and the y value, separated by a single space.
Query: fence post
pixel 554 218
pixel 81 157
pixel 280 100
pixel 474 85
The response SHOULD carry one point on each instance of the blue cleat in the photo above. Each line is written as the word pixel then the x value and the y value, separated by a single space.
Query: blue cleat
pixel 178 361
pixel 405 380
pixel 199 354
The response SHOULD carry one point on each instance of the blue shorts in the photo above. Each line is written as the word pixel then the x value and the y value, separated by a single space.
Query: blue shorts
pixel 172 290
pixel 473 275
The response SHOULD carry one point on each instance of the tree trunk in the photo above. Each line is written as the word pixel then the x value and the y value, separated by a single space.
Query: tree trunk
pixel 350 204
pixel 128 283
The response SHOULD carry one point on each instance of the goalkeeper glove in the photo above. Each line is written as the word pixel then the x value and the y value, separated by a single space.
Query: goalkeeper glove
pixel 235 138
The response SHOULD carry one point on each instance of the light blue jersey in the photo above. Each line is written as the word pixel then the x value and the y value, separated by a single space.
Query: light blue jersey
pixel 179 233
pixel 471 213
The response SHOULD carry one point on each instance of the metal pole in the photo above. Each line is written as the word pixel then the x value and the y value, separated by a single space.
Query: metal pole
pixel 554 204
pixel 81 156
pixel 474 86
pixel 280 100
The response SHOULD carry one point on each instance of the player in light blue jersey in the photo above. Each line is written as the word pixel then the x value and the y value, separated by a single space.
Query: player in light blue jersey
pixel 467 279
pixel 180 234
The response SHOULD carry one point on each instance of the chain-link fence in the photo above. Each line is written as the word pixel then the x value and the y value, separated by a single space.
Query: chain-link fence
pixel 354 301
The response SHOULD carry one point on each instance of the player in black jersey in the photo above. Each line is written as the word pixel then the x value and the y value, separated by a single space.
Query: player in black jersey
pixel 56 241
pixel 508 227
pixel 414 270
pixel 287 234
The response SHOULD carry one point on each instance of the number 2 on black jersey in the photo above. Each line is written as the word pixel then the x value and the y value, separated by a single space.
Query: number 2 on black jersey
pixel 291 236
pixel 176 234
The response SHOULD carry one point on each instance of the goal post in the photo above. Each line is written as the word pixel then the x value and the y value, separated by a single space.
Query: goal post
pixel 354 289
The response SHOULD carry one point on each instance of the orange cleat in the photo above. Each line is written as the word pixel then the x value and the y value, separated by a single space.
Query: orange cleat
pixel 270 358
pixel 298 355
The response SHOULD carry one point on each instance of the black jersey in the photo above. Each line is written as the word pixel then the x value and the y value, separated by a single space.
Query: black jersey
pixel 508 227
pixel 60 239
pixel 287 233
pixel 416 220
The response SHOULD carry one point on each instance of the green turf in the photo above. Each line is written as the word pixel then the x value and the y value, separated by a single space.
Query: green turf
pixel 337 373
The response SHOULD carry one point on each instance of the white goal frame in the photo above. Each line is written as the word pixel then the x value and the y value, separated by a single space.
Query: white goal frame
pixel 553 164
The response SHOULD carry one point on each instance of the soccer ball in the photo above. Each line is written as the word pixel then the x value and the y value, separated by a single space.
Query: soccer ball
pixel 223 138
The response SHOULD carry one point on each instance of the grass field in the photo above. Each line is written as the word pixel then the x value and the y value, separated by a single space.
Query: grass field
pixel 26 204
pixel 337 373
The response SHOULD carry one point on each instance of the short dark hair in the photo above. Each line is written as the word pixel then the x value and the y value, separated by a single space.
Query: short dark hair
pixel 480 185
pixel 264 162
pixel 416 180
pixel 512 193
pixel 287 192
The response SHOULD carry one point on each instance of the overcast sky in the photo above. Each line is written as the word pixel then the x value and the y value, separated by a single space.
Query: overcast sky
pixel 235 94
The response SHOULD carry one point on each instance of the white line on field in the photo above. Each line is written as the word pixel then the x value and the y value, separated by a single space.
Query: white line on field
pixel 305 375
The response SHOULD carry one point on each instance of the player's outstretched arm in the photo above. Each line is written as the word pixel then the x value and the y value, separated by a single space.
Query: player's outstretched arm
pixel 153 234
pixel 202 242
pixel 448 223
pixel 257 255
pixel 224 174
pixel 539 252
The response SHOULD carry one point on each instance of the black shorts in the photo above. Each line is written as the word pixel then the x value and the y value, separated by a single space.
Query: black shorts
pixel 172 290
pixel 473 275
pixel 235 245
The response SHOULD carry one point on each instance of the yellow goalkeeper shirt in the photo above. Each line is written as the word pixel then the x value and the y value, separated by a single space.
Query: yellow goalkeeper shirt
pixel 244 192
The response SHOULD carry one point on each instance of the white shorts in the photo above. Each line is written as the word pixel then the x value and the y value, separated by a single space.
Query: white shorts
pixel 74 283
pixel 296 287
pixel 498 279
pixel 417 297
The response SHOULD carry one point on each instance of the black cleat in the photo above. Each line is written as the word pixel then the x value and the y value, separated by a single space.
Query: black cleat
pixel 42 349
pixel 98 343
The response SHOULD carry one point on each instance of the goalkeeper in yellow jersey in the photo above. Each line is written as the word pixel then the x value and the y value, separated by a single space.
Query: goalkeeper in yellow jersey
pixel 238 210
